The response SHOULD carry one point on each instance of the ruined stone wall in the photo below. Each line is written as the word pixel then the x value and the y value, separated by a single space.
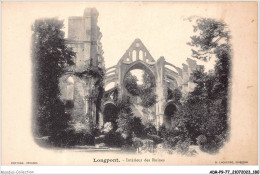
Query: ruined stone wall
pixel 84 38
pixel 166 78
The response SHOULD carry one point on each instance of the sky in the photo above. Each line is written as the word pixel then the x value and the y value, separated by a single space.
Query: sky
pixel 160 25
pixel 164 31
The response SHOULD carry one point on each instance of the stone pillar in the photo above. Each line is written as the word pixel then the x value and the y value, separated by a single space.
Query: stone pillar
pixel 160 91
pixel 101 120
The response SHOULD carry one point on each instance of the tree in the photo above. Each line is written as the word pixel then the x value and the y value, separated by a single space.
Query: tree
pixel 144 91
pixel 50 56
pixel 174 95
pixel 211 32
pixel 125 116
pixel 148 97
pixel 128 124
pixel 131 84
pixel 147 91
pixel 148 81
pixel 206 108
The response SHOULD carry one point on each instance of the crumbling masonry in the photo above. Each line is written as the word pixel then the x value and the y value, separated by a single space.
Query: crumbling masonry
pixel 79 93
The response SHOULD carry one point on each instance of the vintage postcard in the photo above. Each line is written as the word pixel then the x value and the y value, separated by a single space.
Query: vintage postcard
pixel 129 83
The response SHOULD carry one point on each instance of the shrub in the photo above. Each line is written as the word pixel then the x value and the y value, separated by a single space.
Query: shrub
pixel 85 139
pixel 156 139
pixel 128 141
pixel 162 131
pixel 210 144
pixel 96 131
pixel 175 139
pixel 137 126
pixel 201 139
pixel 69 137
pixel 113 139
pixel 137 143
pixel 170 142
pixel 183 146
pixel 148 98
pixel 150 129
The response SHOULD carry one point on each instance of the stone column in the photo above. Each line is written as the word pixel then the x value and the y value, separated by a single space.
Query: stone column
pixel 101 121
pixel 160 91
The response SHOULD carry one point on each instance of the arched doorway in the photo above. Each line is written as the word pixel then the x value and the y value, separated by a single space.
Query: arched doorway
pixel 169 113
pixel 110 114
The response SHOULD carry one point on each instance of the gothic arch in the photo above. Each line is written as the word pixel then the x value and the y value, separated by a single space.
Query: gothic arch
pixel 110 113
pixel 139 65
pixel 170 110
pixel 167 77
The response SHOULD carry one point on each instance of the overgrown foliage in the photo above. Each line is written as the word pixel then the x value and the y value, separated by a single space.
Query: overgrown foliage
pixel 131 84
pixel 128 124
pixel 146 91
pixel 202 116
pixel 96 74
pixel 206 108
pixel 131 127
pixel 69 138
pixel 211 32
pixel 91 71
pixel 114 139
pixel 50 56
pixel 174 95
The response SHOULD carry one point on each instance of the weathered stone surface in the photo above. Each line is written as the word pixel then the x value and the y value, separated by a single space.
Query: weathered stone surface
pixel 167 76
pixel 84 37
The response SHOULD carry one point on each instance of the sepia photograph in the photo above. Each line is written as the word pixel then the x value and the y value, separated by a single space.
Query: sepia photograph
pixel 141 104
pixel 129 83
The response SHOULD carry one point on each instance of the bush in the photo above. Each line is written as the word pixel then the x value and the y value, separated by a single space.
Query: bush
pixel 148 98
pixel 85 139
pixel 69 137
pixel 113 139
pixel 171 142
pixel 156 139
pixel 202 139
pixel 137 143
pixel 96 131
pixel 183 146
pixel 210 144
pixel 177 140
pixel 137 126
pixel 150 129
pixel 162 132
